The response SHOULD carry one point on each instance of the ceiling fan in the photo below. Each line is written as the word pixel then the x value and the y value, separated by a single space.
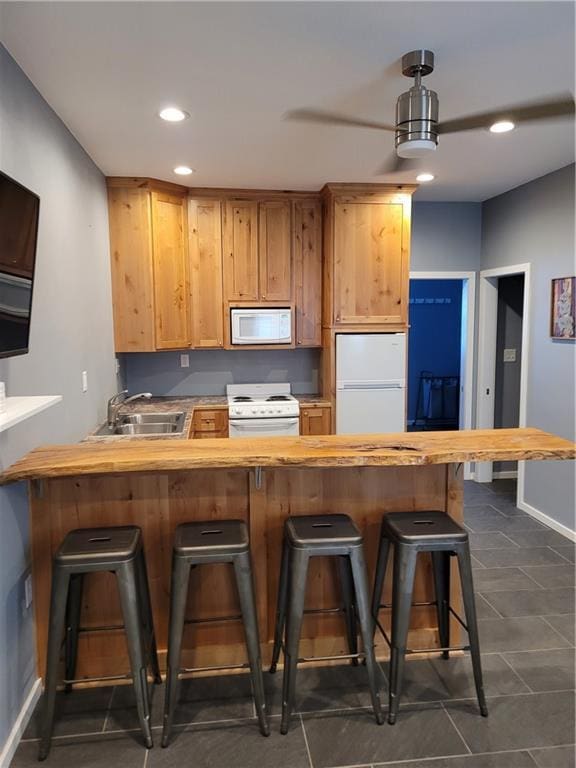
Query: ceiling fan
pixel 417 127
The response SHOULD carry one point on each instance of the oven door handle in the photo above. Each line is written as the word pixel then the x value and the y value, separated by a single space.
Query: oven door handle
pixel 262 425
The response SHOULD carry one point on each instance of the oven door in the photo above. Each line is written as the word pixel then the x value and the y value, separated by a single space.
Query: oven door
pixel 289 427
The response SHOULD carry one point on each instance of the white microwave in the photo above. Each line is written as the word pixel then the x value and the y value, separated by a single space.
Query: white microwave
pixel 261 326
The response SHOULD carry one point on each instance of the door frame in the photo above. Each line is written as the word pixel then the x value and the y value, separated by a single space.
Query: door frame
pixel 488 321
pixel 467 347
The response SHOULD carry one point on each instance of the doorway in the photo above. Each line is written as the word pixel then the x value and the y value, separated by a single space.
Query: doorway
pixel 503 360
pixel 440 351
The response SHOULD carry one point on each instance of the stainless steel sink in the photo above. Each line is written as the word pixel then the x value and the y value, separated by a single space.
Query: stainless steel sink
pixel 145 424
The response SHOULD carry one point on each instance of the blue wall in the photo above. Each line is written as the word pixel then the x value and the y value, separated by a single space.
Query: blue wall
pixel 434 337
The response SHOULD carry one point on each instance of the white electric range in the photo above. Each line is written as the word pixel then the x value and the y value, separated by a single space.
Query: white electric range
pixel 262 410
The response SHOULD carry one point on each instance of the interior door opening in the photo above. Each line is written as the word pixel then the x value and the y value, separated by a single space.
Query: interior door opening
pixel 437 354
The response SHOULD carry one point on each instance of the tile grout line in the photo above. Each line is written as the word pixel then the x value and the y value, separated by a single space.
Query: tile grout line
pixel 551 565
pixel 306 742
pixel 108 710
pixel 518 675
pixel 557 630
pixel 456 728
pixel 561 555
pixel 483 597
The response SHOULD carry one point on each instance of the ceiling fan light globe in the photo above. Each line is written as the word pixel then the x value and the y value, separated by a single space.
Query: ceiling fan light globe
pixel 415 148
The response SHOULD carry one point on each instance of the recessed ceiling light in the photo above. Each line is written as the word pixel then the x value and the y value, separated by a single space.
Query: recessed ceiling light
pixel 425 177
pixel 183 170
pixel 173 114
pixel 502 127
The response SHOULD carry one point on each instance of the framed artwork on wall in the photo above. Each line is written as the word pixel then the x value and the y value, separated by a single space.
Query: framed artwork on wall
pixel 563 309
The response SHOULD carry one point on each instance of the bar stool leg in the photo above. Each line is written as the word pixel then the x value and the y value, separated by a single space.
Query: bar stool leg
pixel 281 606
pixel 73 611
pixel 58 599
pixel 131 610
pixel 347 589
pixel 366 626
pixel 147 616
pixel 379 577
pixel 466 580
pixel 441 569
pixel 404 570
pixel 298 573
pixel 245 584
pixel 178 595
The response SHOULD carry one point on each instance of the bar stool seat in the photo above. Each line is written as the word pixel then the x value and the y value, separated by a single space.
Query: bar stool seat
pixel 321 535
pixel 423 529
pixel 410 533
pixel 91 550
pixel 198 543
pixel 322 531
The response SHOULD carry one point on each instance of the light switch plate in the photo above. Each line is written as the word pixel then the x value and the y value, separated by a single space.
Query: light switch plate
pixel 509 355
pixel 185 361
pixel 84 381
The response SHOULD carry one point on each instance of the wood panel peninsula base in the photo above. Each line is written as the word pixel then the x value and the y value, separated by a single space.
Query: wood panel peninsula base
pixel 161 484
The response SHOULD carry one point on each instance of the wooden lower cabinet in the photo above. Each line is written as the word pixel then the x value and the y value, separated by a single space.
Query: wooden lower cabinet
pixel 208 424
pixel 315 420
pixel 159 501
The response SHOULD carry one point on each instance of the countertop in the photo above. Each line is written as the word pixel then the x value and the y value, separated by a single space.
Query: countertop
pixel 188 405
pixel 415 449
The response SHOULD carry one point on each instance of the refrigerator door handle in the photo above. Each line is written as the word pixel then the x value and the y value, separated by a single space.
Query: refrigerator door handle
pixel 371 385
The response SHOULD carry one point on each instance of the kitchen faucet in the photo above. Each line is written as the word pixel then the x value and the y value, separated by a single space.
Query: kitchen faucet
pixel 120 399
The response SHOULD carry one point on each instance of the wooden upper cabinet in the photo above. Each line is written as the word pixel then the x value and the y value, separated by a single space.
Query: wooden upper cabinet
pixel 205 238
pixel 170 259
pixel 308 272
pixel 131 265
pixel 370 262
pixel 241 250
pixel 275 250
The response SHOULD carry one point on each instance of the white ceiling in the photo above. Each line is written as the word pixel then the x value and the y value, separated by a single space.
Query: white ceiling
pixel 106 68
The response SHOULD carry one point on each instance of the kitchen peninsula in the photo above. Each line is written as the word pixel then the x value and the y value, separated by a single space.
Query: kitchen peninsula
pixel 159 484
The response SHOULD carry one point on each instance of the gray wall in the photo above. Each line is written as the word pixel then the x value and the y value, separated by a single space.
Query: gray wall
pixel 210 370
pixel 535 223
pixel 71 332
pixel 446 236
pixel 508 336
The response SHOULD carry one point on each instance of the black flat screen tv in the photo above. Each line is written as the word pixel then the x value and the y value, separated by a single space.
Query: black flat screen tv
pixel 19 208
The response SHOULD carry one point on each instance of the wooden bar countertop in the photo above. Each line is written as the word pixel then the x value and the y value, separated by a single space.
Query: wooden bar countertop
pixel 401 449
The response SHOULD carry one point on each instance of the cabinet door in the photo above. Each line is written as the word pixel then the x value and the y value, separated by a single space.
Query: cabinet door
pixel 170 257
pixel 315 421
pixel 275 250
pixel 241 251
pixel 370 263
pixel 308 272
pixel 205 238
pixel 132 273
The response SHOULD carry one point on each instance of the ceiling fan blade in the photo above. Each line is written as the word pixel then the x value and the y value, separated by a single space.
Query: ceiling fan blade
pixel 395 164
pixel 334 118
pixel 560 106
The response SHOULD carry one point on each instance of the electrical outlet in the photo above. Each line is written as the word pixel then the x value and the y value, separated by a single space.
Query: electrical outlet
pixel 28 591
pixel 84 381
pixel 117 366
pixel 509 355
pixel 184 361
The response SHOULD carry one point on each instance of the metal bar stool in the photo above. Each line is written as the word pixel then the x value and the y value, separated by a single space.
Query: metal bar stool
pixel 214 541
pixel 118 550
pixel 322 535
pixel 437 533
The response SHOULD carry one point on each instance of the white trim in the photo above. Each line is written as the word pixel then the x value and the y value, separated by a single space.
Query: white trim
pixel 487 360
pixel 21 723
pixel 547 520
pixel 468 349
pixel 509 474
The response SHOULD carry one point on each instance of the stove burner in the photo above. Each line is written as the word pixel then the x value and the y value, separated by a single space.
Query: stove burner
pixel 242 399
pixel 274 398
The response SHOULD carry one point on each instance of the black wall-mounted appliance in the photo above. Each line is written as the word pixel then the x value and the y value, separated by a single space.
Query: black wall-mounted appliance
pixel 19 209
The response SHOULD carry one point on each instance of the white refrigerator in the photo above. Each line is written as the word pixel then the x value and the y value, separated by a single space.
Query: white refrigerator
pixel 370 383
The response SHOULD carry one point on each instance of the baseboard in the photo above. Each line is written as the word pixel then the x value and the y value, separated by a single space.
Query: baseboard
pixel 547 520
pixel 510 474
pixel 20 725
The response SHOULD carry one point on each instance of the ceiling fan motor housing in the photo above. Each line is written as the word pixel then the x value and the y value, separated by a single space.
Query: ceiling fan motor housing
pixel 417 109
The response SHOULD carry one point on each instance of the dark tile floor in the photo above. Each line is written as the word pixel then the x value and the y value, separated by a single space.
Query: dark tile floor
pixel 524 577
